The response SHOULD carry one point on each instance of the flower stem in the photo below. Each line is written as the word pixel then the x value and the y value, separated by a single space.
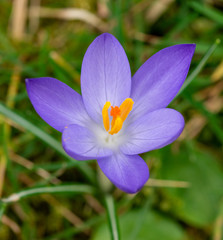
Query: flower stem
pixel 112 217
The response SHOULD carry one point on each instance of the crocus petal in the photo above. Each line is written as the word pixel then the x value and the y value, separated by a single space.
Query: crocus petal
pixel 129 173
pixel 159 79
pixel 105 75
pixel 56 103
pixel 80 143
pixel 154 130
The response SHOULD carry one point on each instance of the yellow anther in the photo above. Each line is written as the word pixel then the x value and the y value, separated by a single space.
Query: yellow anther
pixel 119 115
pixel 126 108
pixel 117 126
pixel 105 116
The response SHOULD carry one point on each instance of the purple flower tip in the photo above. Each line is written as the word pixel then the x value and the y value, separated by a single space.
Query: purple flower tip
pixel 116 117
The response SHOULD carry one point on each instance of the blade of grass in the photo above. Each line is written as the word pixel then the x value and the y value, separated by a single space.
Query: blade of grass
pixel 112 217
pixel 218 227
pixel 181 25
pixel 167 183
pixel 74 188
pixel 116 13
pixel 61 62
pixel 201 47
pixel 119 18
pixel 71 232
pixel 213 121
pixel 5 164
pixel 83 167
pixel 208 11
pixel 53 167
pixel 199 66
pixel 5 43
pixel 5 161
pixel 2 209
pixel 139 21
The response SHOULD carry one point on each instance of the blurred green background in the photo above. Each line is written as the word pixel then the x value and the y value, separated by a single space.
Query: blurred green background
pixel 184 198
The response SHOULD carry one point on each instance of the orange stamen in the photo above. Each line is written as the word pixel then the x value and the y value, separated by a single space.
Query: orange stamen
pixel 105 116
pixel 119 115
pixel 115 111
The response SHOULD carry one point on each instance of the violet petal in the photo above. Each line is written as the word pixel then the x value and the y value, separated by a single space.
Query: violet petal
pixel 80 143
pixel 129 173
pixel 159 79
pixel 154 130
pixel 56 103
pixel 105 75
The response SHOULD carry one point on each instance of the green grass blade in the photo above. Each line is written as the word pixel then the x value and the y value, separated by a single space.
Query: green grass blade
pixel 213 121
pixel 2 209
pixel 208 11
pixel 199 66
pixel 56 145
pixel 218 226
pixel 113 219
pixel 53 167
pixel 71 231
pixel 74 188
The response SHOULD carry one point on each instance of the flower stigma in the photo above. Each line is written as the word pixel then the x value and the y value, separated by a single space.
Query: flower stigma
pixel 118 114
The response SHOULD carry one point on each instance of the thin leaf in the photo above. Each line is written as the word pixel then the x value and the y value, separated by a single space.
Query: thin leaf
pixel 74 188
pixel 113 220
pixel 218 226
pixel 213 121
pixel 71 231
pixel 56 145
pixel 2 209
pixel 208 11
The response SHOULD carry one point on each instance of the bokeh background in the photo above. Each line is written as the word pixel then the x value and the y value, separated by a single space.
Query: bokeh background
pixel 184 198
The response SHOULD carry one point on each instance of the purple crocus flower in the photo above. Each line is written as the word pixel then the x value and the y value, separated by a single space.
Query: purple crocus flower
pixel 117 117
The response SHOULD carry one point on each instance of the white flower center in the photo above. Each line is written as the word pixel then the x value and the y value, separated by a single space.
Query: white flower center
pixel 106 140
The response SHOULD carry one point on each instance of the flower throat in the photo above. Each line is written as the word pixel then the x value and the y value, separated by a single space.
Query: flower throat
pixel 118 114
